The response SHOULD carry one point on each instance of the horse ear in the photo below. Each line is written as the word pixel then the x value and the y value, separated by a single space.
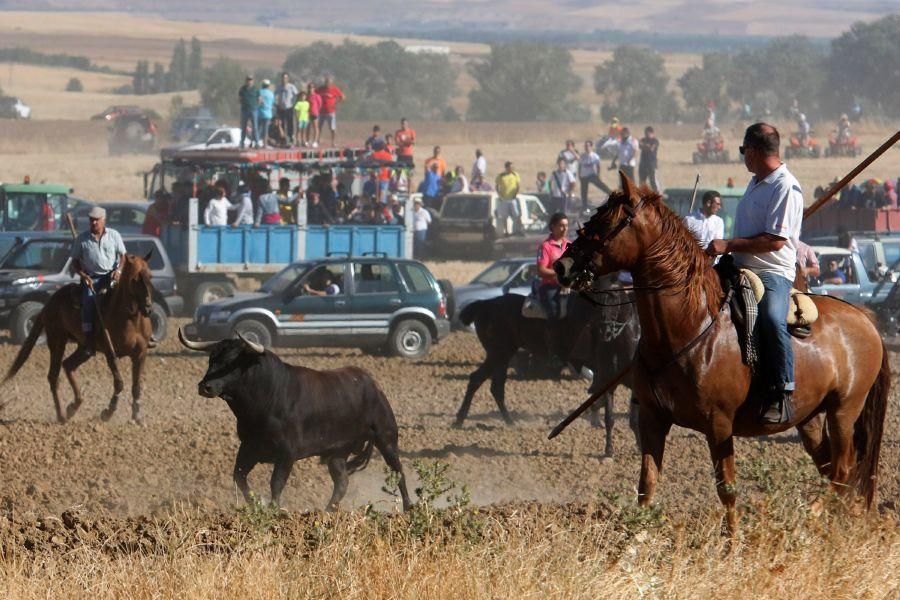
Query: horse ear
pixel 628 187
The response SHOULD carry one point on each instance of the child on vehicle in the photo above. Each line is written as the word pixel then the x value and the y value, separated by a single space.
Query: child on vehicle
pixel 302 111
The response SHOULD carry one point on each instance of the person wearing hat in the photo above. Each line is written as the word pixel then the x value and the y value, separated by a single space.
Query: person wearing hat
pixel 98 256
pixel 266 107
pixel 421 220
pixel 249 98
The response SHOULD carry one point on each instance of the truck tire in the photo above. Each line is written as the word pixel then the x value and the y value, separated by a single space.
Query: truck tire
pixel 210 291
pixel 160 322
pixel 447 289
pixel 22 319
pixel 254 331
pixel 409 339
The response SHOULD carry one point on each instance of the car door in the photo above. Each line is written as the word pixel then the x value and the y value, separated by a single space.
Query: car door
pixel 376 294
pixel 311 319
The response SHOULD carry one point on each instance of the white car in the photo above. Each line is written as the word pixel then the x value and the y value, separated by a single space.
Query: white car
pixel 221 137
pixel 13 108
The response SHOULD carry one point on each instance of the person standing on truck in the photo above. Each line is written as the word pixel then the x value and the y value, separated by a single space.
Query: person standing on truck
pixel 649 145
pixel 98 256
pixel 266 106
pixel 285 100
pixel 244 206
pixel 315 107
pixel 157 214
pixel 216 213
pixel 249 99
pixel 436 159
pixel 479 167
pixel 589 173
pixel 301 110
pixel 508 183
pixel 331 97
pixel 562 182
pixel 268 210
pixel 421 220
pixel 406 141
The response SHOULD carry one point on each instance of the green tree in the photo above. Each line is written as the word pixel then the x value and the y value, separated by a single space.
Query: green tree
pixel 635 86
pixel 195 64
pixel 178 66
pixel 158 80
pixel 521 81
pixel 74 85
pixel 864 65
pixel 381 81
pixel 709 82
pixel 219 87
pixel 141 79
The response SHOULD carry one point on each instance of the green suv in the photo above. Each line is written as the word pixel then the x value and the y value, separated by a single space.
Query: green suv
pixel 374 303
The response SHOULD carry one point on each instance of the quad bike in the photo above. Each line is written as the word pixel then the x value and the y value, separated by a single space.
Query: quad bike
pixel 711 150
pixel 796 149
pixel 839 147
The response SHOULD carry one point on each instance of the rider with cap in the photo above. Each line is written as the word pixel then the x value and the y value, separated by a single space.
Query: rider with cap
pixel 767 230
pixel 98 256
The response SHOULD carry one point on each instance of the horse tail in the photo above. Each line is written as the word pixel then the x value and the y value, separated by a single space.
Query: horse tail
pixel 868 431
pixel 25 351
pixel 361 459
pixel 470 312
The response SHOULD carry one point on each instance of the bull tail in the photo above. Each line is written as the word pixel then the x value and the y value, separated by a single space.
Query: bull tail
pixel 868 431
pixel 25 351
pixel 470 312
pixel 360 460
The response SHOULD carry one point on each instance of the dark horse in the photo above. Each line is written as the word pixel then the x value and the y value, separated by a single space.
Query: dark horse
pixel 688 368
pixel 126 314
pixel 603 338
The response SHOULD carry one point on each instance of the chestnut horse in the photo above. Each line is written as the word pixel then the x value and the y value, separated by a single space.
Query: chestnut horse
pixel 126 314
pixel 688 368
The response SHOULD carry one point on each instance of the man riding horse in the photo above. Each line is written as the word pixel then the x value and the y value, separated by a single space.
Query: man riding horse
pixel 97 257
pixel 767 231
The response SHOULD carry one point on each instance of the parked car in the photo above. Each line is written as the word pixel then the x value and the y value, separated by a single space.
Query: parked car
pixel 469 225
pixel 13 108
pixel 382 304
pixel 115 111
pixel 189 121
pixel 37 266
pixel 220 137
pixel 505 276
pixel 125 217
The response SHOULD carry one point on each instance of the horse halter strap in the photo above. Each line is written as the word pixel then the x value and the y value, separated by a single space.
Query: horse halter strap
pixel 630 214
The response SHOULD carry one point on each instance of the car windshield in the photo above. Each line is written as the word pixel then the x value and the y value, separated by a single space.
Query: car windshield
pixel 41 255
pixel 497 273
pixel 283 279
pixel 201 135
pixel 466 207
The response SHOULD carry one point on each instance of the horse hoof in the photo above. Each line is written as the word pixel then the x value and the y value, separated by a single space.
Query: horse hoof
pixel 106 414
pixel 138 419
pixel 60 419
pixel 607 458
pixel 70 412
pixel 457 424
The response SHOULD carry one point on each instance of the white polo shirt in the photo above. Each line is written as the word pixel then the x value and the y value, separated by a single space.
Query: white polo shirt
pixel 704 228
pixel 773 205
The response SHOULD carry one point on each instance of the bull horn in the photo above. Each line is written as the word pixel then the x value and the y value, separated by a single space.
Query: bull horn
pixel 198 346
pixel 258 348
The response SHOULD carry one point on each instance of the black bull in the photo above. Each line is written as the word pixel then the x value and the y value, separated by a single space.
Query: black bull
pixel 285 413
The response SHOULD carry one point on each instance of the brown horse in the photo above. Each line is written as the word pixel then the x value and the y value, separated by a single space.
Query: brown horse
pixel 126 314
pixel 689 370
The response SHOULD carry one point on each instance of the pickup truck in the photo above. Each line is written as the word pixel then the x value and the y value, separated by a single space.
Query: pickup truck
pixel 222 137
pixel 35 267
pixel 861 287
pixel 469 225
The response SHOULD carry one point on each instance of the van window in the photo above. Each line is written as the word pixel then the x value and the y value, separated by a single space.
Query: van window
pixel 466 207
pixel 374 278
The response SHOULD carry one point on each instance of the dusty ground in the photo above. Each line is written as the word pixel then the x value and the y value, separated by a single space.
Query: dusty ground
pixel 185 451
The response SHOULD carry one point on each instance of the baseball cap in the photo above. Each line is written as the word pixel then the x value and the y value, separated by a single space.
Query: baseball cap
pixel 97 213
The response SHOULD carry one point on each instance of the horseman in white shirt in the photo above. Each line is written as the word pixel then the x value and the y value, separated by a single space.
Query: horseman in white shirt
pixel 704 224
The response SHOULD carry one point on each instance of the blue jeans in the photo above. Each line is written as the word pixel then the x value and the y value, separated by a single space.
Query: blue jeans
pixel 249 117
pixel 263 133
pixel 777 354
pixel 89 301
pixel 419 238
pixel 548 295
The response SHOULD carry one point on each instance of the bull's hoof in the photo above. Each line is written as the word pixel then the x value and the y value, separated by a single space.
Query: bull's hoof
pixel 332 507
pixel 508 420
pixel 137 418
pixel 106 414
pixel 60 419
pixel 70 411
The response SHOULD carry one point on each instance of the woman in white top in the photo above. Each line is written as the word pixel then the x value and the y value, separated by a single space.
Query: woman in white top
pixel 460 183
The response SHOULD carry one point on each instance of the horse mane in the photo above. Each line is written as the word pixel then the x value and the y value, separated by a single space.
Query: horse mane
pixel 675 260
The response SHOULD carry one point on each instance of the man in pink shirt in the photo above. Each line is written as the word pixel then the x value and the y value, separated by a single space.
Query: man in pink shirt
pixel 331 97
pixel 550 251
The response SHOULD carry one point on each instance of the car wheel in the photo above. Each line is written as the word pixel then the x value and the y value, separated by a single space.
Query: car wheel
pixel 254 331
pixel 410 339
pixel 22 320
pixel 210 291
pixel 447 289
pixel 159 321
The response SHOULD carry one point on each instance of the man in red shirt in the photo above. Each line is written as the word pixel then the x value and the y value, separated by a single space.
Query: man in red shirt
pixel 406 139
pixel 437 159
pixel 331 97
pixel 550 250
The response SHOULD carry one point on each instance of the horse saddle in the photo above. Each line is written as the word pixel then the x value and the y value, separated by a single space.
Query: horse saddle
pixel 533 309
pixel 802 311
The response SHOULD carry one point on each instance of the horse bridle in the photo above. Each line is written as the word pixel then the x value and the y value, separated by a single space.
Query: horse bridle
pixel 630 215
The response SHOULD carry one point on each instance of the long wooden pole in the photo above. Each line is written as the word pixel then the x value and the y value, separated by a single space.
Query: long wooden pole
pixel 834 189
pixel 587 403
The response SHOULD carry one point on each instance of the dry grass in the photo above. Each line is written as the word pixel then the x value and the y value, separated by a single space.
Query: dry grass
pixel 524 551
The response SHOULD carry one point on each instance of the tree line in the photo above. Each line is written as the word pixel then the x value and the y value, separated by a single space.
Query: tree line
pixel 184 73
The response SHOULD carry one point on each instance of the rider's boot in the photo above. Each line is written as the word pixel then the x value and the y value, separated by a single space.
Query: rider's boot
pixel 85 350
pixel 779 409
